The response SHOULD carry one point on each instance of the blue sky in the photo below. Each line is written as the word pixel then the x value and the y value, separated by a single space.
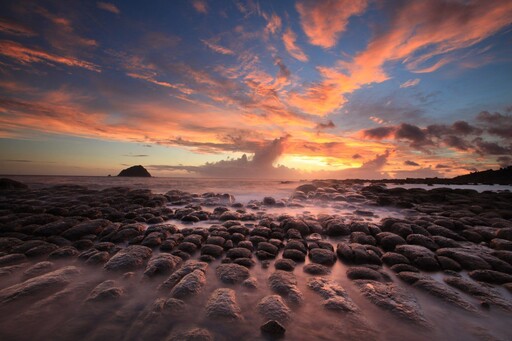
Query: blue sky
pixel 363 88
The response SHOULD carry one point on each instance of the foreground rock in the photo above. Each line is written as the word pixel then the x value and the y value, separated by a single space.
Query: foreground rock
pixel 285 284
pixel 273 328
pixel 128 259
pixel 394 299
pixel 232 273
pixel 273 307
pixel 222 305
pixel 335 297
pixel 163 264
pixel 189 285
pixel 38 286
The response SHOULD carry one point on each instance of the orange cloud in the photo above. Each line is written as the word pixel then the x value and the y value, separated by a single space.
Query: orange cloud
pixel 289 40
pixel 324 21
pixel 201 6
pixel 26 55
pixel 217 48
pixel 17 29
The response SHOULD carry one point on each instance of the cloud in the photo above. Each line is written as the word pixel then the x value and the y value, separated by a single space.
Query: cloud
pixel 26 55
pixel 356 156
pixel 412 133
pixel 497 124
pixel 136 155
pixel 15 28
pixel 18 161
pixel 106 6
pixel 289 41
pixel 324 21
pixel 379 132
pixel 274 23
pixel 410 163
pixel 217 48
pixel 200 5
pixel 410 83
pixel 485 148
pixel 328 125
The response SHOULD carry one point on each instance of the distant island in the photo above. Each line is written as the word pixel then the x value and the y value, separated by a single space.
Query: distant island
pixel 135 171
pixel 501 176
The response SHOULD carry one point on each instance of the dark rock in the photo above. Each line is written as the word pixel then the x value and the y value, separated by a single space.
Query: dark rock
pixel 361 272
pixel 105 291
pixel 485 293
pixel 420 256
pixel 273 307
pixel 9 184
pixel 232 273
pixel 273 328
pixel 15 258
pixel 490 276
pixel 212 250
pixel 85 228
pixel 467 259
pixel 322 256
pixel 285 283
pixel 392 258
pixel 135 171
pixel 41 285
pixel 295 255
pixel 285 264
pixel 403 268
pixel 190 284
pixel 222 305
pixel 247 262
pixel 394 299
pixel 419 239
pixel 64 252
pixel 448 263
pixel 162 264
pixel 316 269
pixel 187 268
pixel 187 247
pixel 239 252
pixel 130 258
pixel 38 269
pixel 334 295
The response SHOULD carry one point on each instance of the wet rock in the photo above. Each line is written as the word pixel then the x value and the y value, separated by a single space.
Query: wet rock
pixel 97 258
pixel 128 259
pixel 335 228
pixel 358 253
pixel 38 269
pixel 195 334
pixel 394 299
pixel 296 224
pixel 285 284
pixel 189 285
pixel 322 256
pixel 334 295
pixel 57 227
pixel 41 285
pixel 285 264
pixel 316 269
pixel 222 305
pixel 403 268
pixel 501 244
pixel 296 245
pixel 448 264
pixel 361 272
pixel 41 250
pixel 250 283
pixel 216 240
pixel 187 268
pixel 274 308
pixel 9 184
pixel 420 256
pixel 212 250
pixel 15 258
pixel 273 328
pixel 436 289
pixel 467 259
pixel 187 247
pixel 232 273
pixel 162 264
pixel 295 255
pixel 85 228
pixel 64 253
pixel 239 252
pixel 419 239
pixel 362 238
pixel 490 276
pixel 106 291
pixel 268 247
pixel 484 293
pixel 392 258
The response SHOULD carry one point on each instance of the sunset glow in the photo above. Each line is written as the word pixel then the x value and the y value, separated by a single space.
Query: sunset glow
pixel 282 89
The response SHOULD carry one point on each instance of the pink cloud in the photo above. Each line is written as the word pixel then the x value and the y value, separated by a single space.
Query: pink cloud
pixel 26 55
pixel 107 6
pixel 324 21
pixel 289 40
pixel 200 5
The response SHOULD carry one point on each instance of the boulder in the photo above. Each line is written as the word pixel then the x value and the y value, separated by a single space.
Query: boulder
pixel 131 258
pixel 222 305
pixel 162 264
pixel 274 308
pixel 232 273
pixel 189 285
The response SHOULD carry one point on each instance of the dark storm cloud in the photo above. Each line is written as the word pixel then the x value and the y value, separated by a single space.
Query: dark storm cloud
pixel 491 148
pixel 504 161
pixel 379 133
pixel 327 125
pixel 497 124
pixel 410 163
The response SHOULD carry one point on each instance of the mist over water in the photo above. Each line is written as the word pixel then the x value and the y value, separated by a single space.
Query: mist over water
pixel 68 313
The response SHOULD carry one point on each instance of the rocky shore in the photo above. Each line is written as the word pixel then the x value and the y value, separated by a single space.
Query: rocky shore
pixel 130 264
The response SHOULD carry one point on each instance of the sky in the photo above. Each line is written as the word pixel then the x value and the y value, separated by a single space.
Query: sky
pixel 244 88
